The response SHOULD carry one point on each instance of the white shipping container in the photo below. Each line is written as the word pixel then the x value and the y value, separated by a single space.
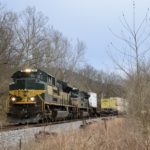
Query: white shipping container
pixel 121 105
pixel 120 101
pixel 93 99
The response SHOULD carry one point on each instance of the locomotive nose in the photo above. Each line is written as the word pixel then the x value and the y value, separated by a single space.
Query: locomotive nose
pixel 24 113
pixel 25 93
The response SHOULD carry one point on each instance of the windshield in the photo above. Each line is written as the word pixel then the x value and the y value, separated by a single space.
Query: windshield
pixel 26 83
pixel 24 75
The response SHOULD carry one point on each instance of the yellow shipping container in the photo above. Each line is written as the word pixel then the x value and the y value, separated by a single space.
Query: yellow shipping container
pixel 108 103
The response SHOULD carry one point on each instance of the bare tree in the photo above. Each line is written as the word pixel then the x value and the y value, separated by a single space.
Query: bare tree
pixel 8 20
pixel 73 56
pixel 135 65
pixel 31 30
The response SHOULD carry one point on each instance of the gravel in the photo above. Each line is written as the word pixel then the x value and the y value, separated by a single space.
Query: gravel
pixel 10 140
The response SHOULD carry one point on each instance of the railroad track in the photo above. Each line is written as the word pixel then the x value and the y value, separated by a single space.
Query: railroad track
pixel 19 127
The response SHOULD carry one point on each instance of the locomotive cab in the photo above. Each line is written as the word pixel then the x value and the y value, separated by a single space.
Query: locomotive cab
pixel 26 94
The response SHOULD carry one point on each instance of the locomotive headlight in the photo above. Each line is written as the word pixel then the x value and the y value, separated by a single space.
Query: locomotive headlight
pixel 28 70
pixel 13 99
pixel 32 99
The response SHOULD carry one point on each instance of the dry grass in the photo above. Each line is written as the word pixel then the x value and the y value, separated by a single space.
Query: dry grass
pixel 120 134
pixel 3 120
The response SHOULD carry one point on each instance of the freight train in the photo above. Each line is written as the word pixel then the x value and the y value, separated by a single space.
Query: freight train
pixel 36 96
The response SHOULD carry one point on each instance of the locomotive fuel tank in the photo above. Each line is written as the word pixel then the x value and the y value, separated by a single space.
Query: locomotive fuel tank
pixel 59 114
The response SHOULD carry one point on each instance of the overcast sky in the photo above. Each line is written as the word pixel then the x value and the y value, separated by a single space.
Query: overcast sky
pixel 87 20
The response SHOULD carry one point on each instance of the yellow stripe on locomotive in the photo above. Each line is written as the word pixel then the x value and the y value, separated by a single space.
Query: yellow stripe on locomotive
pixel 24 96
